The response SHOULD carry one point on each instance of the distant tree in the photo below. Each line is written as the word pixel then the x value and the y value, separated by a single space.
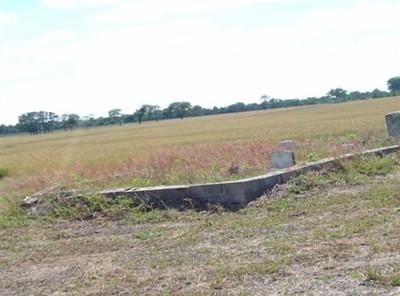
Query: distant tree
pixel 265 98
pixel 28 122
pixel 238 107
pixel 154 112
pixel 376 93
pixel 64 119
pixel 179 109
pixel 128 118
pixel 8 129
pixel 197 111
pixel 72 120
pixel 275 103
pixel 115 116
pixel 338 94
pixel 355 95
pixel 46 121
pixel 36 123
pixel 88 121
pixel 52 118
pixel 140 113
pixel 394 85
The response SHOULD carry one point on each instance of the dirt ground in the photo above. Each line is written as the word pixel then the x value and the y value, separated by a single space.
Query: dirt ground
pixel 339 240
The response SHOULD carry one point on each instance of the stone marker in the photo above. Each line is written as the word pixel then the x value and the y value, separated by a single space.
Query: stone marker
pixel 393 124
pixel 287 145
pixel 282 159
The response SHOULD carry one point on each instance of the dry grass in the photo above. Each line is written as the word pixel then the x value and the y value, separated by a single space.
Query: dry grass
pixel 186 151
pixel 338 239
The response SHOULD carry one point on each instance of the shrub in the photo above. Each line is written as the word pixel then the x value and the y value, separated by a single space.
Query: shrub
pixel 3 173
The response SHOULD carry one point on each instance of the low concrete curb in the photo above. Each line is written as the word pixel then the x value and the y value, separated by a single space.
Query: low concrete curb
pixel 231 195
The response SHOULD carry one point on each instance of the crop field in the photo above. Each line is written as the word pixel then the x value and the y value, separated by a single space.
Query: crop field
pixel 335 232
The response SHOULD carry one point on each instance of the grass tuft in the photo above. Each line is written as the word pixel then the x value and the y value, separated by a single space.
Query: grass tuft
pixel 3 173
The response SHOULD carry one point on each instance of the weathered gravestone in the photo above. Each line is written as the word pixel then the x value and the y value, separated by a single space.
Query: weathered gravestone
pixel 287 145
pixel 282 159
pixel 393 124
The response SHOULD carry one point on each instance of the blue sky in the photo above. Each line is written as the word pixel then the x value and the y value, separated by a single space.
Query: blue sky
pixel 91 56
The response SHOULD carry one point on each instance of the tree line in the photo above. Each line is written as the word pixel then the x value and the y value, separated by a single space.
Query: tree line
pixel 41 122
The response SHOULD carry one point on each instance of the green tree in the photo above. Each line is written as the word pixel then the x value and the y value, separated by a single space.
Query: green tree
pixel 337 94
pixel 140 113
pixel 197 111
pixel 376 93
pixel 88 121
pixel 64 119
pixel 36 123
pixel 46 121
pixel 238 107
pixel 153 112
pixel 265 98
pixel 115 116
pixel 394 85
pixel 29 122
pixel 179 109
pixel 72 120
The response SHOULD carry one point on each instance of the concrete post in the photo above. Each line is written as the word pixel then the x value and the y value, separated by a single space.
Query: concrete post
pixel 393 124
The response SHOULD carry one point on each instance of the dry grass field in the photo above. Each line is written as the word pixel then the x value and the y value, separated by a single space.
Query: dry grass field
pixel 334 232
pixel 187 151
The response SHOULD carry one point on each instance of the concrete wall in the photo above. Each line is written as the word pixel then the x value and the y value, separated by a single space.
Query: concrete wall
pixel 231 195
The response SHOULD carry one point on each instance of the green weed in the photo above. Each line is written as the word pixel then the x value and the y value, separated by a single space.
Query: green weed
pixel 372 275
pixel 148 234
pixel 390 276
pixel 371 166
pixel 14 220
pixel 313 156
pixel 354 171
pixel 3 173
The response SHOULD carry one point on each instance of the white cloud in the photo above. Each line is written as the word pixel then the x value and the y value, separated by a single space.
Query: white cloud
pixel 55 37
pixel 139 11
pixel 7 17
pixel 75 3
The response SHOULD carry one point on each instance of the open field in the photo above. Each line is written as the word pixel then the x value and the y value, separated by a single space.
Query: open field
pixel 334 232
pixel 192 150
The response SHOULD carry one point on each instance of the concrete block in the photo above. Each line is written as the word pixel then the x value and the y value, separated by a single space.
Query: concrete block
pixel 271 180
pixel 287 145
pixel 234 191
pixel 287 175
pixel 229 195
pixel 393 124
pixel 161 196
pixel 254 188
pixel 282 159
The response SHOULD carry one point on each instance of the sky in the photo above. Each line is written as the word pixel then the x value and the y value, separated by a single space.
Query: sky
pixel 91 56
